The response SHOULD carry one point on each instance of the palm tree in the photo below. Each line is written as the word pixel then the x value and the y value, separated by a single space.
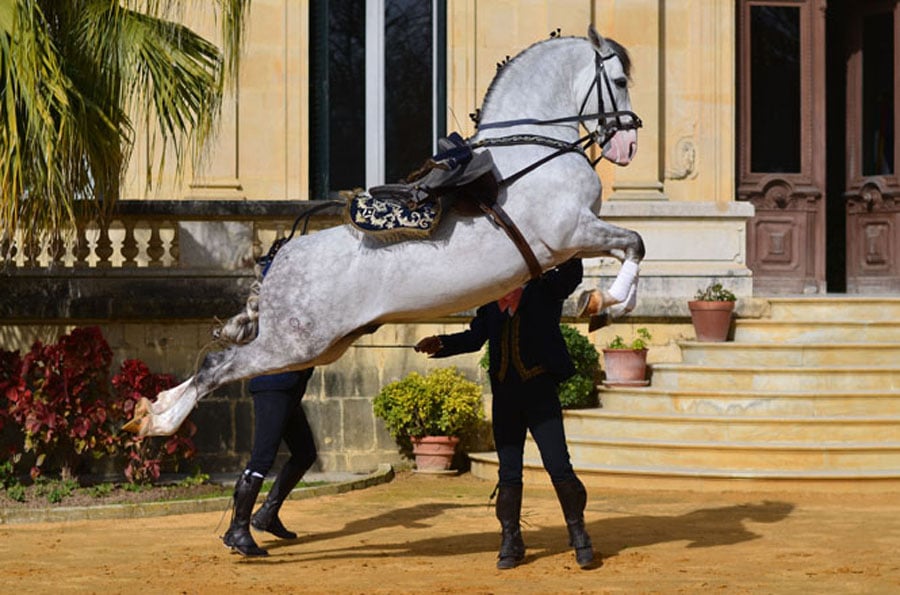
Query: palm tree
pixel 73 72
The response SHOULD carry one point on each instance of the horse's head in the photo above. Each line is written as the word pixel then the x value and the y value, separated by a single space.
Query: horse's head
pixel 615 125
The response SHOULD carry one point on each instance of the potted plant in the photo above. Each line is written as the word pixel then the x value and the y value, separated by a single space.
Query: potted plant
pixel 430 414
pixel 626 363
pixel 711 311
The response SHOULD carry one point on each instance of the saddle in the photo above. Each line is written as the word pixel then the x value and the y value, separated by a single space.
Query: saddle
pixel 463 178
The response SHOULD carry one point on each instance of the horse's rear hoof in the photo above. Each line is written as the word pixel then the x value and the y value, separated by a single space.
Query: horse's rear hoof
pixel 133 426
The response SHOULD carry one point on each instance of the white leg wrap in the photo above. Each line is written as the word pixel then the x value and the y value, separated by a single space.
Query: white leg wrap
pixel 631 301
pixel 624 281
pixel 168 422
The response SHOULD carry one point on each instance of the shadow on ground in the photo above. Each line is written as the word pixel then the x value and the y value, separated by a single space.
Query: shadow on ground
pixel 705 527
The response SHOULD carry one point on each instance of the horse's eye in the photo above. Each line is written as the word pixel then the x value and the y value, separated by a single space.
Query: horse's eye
pixel 621 83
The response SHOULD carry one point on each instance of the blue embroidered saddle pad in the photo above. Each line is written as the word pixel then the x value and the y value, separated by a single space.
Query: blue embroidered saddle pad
pixel 391 217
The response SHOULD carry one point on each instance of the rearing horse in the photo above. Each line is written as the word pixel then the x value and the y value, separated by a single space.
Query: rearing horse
pixel 530 122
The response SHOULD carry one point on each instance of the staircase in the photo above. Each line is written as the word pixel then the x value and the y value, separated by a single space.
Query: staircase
pixel 805 398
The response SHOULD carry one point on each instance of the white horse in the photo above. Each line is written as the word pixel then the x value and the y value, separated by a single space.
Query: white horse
pixel 325 290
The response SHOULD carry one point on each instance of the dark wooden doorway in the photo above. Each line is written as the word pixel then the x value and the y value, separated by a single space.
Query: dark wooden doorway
pixel 817 149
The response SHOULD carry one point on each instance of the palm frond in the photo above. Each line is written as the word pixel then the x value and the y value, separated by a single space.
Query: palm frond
pixel 71 72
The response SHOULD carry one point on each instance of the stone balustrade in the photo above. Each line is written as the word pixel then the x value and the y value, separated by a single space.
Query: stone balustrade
pixel 152 234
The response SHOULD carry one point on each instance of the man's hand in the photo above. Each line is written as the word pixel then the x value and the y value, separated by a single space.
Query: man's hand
pixel 429 345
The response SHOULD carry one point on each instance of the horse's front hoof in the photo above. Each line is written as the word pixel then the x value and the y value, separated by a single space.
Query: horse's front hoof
pixel 589 304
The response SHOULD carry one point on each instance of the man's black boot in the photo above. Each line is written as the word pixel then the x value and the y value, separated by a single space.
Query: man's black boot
pixel 509 509
pixel 573 498
pixel 266 518
pixel 238 537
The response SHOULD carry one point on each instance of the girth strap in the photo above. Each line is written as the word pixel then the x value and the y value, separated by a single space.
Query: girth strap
pixel 499 216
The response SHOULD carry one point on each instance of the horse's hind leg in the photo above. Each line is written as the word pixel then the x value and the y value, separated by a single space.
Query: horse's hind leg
pixel 172 407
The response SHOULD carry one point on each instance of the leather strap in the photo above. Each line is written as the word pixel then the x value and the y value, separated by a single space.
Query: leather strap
pixel 499 216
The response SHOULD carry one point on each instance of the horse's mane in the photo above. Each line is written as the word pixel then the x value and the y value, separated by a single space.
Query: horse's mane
pixel 504 67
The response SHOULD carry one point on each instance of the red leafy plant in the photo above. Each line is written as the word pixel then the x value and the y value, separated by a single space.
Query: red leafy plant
pixel 60 398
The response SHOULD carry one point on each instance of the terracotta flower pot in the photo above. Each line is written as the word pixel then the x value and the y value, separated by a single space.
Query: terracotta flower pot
pixel 434 454
pixel 625 367
pixel 712 320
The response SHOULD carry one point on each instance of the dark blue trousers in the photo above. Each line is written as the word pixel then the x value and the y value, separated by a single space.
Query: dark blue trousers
pixel 532 406
pixel 279 415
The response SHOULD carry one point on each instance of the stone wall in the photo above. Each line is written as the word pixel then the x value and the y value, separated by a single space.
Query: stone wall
pixel 338 401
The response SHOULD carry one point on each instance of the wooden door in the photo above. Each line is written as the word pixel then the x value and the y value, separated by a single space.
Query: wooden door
pixel 873 159
pixel 782 142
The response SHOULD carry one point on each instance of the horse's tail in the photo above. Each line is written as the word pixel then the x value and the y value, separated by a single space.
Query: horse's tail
pixel 243 327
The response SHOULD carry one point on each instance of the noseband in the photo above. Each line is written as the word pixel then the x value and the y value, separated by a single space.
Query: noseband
pixel 608 122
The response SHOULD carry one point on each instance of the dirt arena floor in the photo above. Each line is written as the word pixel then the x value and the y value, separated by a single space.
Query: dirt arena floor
pixel 436 534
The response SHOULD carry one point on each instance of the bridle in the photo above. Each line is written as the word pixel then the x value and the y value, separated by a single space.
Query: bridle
pixel 609 122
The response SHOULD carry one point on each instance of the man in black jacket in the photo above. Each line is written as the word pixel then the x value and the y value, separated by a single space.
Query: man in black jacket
pixel 528 359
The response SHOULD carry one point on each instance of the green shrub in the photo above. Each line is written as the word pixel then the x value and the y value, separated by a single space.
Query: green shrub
pixel 441 403
pixel 580 391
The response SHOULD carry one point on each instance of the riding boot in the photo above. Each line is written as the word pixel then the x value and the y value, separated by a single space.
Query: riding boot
pixel 238 537
pixel 573 498
pixel 509 508
pixel 266 518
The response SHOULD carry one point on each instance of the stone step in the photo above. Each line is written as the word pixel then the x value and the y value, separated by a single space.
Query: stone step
pixel 771 379
pixel 821 309
pixel 791 354
pixel 748 330
pixel 725 428
pixel 484 466
pixel 739 403
pixel 741 456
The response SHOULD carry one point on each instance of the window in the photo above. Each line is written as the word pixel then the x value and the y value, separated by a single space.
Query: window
pixel 878 94
pixel 775 89
pixel 376 88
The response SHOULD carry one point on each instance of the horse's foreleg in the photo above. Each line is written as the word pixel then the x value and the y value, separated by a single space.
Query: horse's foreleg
pixel 604 239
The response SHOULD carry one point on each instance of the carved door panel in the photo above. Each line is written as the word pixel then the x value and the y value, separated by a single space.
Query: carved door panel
pixel 873 160
pixel 781 142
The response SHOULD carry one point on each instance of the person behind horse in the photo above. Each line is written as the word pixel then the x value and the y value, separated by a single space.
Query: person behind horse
pixel 279 415
pixel 528 359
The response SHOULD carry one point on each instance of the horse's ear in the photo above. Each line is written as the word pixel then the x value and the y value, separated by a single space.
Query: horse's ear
pixel 595 37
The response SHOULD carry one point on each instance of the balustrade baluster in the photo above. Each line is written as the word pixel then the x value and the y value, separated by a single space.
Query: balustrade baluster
pixel 155 251
pixel 256 243
pixel 104 248
pixel 56 250
pixel 82 248
pixel 174 249
pixel 8 251
pixel 31 248
pixel 129 246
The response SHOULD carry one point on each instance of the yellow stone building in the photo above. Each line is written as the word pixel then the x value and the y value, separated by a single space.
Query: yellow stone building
pixel 760 165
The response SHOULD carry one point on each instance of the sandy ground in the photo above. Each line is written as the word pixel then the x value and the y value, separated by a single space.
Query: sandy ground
pixel 428 534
